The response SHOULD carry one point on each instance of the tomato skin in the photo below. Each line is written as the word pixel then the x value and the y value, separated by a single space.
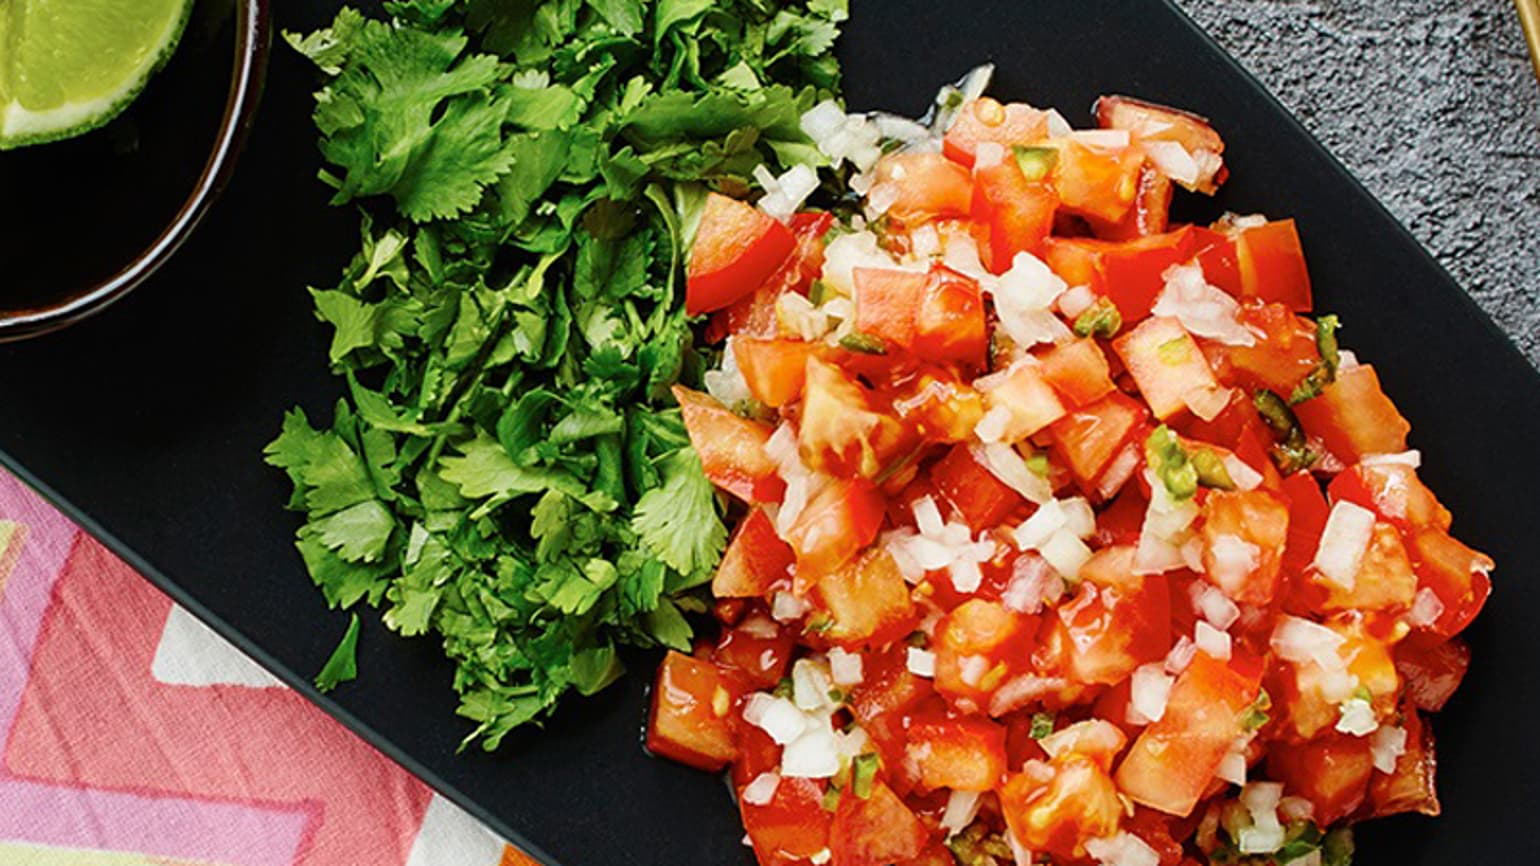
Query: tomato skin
pixel 982 499
pixel 1078 371
pixel 1117 622
pixel 755 560
pixel 1152 122
pixel 731 448
pixel 1279 361
pixel 885 302
pixel 1354 417
pixel 1393 491
pixel 1215 252
pixel 1129 273
pixel 838 522
pixel 774 370
pixel 964 754
pixel 1457 574
pixel 1172 763
pixel 929 186
pixel 1412 786
pixel 685 724
pixel 1432 672
pixel 984 119
pixel 875 831
pixel 1088 439
pixel 1056 808
pixel 887 687
pixel 1308 512
pixel 1258 518
pixel 949 324
pixel 790 828
pixel 1332 773
pixel 761 661
pixel 1272 268
pixel 1150 214
pixel 868 600
pixel 1018 212
pixel 754 314
pixel 737 247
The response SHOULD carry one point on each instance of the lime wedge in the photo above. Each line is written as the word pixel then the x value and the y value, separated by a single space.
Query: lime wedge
pixel 69 66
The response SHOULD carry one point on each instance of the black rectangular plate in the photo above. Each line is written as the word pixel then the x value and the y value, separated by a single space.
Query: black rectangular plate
pixel 147 425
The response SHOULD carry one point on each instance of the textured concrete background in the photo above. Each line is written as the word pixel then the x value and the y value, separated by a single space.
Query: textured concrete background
pixel 1434 105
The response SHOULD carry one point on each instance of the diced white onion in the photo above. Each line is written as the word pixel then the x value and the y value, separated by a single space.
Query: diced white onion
pixel 921 663
pixel 1049 518
pixel 1006 464
pixel 961 808
pixel 758 626
pixel 972 669
pixel 966 575
pixel 900 128
pixel 1090 735
pixel 1232 768
pixel 1234 560
pixel 1150 690
pixel 786 607
pixel 1066 553
pixel 1349 528
pixel 1388 744
pixel 1173 161
pixel 1405 458
pixel 1058 127
pixel 762 789
pixel 777 717
pixel 1292 809
pixel 1241 473
pixel 851 743
pixel 859 249
pixel 1124 849
pixel 988 154
pixel 1260 840
pixel 1119 471
pixel 823 120
pixel 845 667
pixel 1213 605
pixel 1203 310
pixel 1300 640
pixel 1032 582
pixel 1165 530
pixel 1111 139
pixel 1357 718
pixel 1338 685
pixel 810 686
pixel 814 755
pixel 820 857
pixel 925 242
pixel 881 198
pixel 1212 641
pixel 1024 297
pixel 1346 360
pixel 927 515
pixel 1427 607
pixel 1181 655
pixel 726 383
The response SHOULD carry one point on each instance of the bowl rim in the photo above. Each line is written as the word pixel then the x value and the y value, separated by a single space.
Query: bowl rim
pixel 253 39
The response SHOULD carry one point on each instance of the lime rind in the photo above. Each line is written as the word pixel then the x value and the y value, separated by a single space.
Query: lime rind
pixel 22 127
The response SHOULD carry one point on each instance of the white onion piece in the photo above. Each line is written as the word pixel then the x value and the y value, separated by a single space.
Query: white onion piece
pixel 1066 553
pixel 1058 127
pixel 1173 161
pixel 845 668
pixel 1357 718
pixel 921 663
pixel 927 515
pixel 1234 560
pixel 726 383
pixel 1203 310
pixel 777 717
pixel 1296 809
pixel 1214 606
pixel 1388 744
pixel 1150 690
pixel 1109 139
pixel 1033 582
pixel 1076 300
pixel 1006 464
pixel 988 154
pixel 1181 655
pixel 814 755
pixel 786 607
pixel 961 808
pixel 820 857
pixel 1212 641
pixel 1411 458
pixel 758 626
pixel 1300 640
pixel 1232 768
pixel 1349 528
pixel 1241 473
pixel 1124 849
pixel 810 686
pixel 1024 297
pixel 1427 607
pixel 762 790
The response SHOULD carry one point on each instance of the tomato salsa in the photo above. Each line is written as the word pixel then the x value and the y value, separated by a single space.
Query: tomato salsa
pixel 1063 533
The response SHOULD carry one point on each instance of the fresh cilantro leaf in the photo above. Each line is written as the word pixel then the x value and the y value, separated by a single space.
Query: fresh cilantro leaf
pixel 343 665
pixel 678 521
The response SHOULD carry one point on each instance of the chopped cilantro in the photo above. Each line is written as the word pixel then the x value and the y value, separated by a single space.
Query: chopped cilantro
pixel 508 471
pixel 1166 457
pixel 343 665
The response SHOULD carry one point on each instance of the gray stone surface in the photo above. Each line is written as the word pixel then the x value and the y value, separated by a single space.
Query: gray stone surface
pixel 1434 105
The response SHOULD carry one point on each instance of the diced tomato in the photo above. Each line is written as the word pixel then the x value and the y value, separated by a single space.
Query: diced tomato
pixel 1157 832
pixel 1122 521
pixel 1056 808
pixel 1129 273
pixel 1018 212
pixel 1078 371
pixel 939 405
pixel 731 448
pixel 949 324
pixel 1393 491
pixel 875 831
pixel 1244 517
pixel 1307 519
pixel 868 600
pixel 790 828
pixel 984 119
pixel 935 854
pixel 1097 183
pixel 844 429
pixel 1088 439
pixel 1116 622
pixel 928 186
pixel 737 247
pixel 1272 268
pixel 754 315
pixel 979 645
pixel 1432 672
pixel 886 300
pixel 982 499
pixel 1170 370
pixel 1412 787
pixel 839 520
pixel 774 370
pixel 692 705
pixel 1281 358
pixel 1384 581
pixel 759 650
pixel 1172 763
pixel 1150 215
pixel 963 754
pixel 755 560
pixel 887 686
pixel 1331 772
pixel 1215 253
pixel 1354 417
pixel 1455 573
pixel 1151 122
pixel 1023 395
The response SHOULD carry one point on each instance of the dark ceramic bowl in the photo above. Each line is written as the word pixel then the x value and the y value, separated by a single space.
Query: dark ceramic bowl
pixel 120 201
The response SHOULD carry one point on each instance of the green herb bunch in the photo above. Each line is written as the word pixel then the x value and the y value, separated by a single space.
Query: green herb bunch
pixel 507 469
